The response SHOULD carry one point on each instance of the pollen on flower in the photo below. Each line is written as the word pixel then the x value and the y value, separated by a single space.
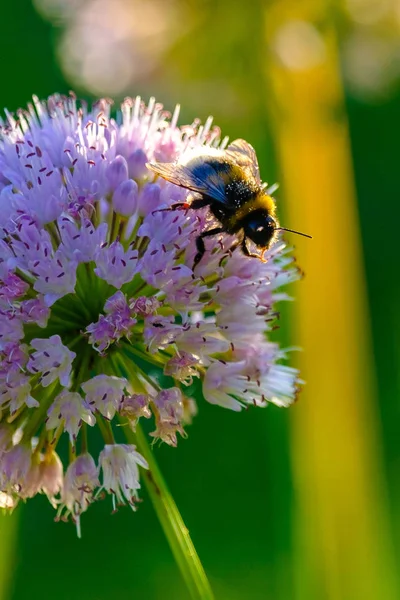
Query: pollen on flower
pixel 99 301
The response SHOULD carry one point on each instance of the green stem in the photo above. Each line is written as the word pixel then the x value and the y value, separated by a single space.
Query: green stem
pixel 105 429
pixel 149 358
pixel 138 370
pixel 38 414
pixel 84 439
pixel 171 521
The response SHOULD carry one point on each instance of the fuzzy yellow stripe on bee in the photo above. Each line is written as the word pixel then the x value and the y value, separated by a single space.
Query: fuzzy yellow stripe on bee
pixel 259 201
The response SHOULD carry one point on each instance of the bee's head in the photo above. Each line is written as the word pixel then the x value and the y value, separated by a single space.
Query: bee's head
pixel 260 228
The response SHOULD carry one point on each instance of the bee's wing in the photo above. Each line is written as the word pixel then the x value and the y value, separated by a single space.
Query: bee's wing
pixel 202 178
pixel 245 156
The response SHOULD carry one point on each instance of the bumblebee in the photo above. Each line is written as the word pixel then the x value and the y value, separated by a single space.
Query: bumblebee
pixel 228 182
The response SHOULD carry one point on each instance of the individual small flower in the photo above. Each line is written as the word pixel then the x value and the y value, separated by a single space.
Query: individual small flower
pixel 232 386
pixel 14 356
pixel 145 306
pixel 69 410
pixel 56 277
pixel 13 287
pixel 182 367
pixel 16 469
pixel 35 311
pixel 117 323
pixel 160 332
pixel 125 198
pixel 119 463
pixel 32 478
pixel 137 164
pixel 11 331
pixel 203 339
pixel 117 172
pixel 80 483
pixel 100 303
pixel 169 416
pixel 101 334
pixel 15 391
pixel 51 476
pixel 104 394
pixel 80 238
pixel 134 407
pixel 52 360
pixel 149 199
pixel 115 265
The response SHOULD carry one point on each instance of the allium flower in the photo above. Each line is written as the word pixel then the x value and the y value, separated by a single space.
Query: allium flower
pixel 98 298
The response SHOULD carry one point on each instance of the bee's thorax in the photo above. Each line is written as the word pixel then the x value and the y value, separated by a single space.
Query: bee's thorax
pixel 239 191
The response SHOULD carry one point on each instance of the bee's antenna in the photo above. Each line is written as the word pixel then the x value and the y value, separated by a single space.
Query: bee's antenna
pixel 294 231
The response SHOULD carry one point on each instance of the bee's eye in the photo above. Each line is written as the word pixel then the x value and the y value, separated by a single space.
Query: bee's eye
pixel 260 229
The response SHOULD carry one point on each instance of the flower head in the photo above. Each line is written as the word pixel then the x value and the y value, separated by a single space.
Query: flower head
pixel 99 300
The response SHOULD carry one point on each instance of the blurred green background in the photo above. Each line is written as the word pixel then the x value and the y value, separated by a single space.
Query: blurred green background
pixel 303 503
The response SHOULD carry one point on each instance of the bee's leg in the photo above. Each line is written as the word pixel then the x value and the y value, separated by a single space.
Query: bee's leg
pixel 199 203
pixel 247 252
pixel 196 203
pixel 176 206
pixel 230 250
pixel 200 243
pixel 239 241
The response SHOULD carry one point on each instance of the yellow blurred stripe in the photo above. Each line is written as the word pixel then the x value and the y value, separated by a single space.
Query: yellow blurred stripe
pixel 8 538
pixel 343 547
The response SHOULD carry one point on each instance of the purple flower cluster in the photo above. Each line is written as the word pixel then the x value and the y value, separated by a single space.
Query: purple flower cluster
pixel 99 301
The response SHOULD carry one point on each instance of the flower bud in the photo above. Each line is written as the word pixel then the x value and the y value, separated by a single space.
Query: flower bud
pixel 125 198
pixel 149 199
pixel 51 474
pixel 137 164
pixel 117 172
